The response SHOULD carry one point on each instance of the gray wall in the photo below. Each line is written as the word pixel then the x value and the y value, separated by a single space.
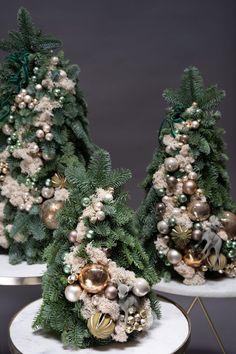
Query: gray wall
pixel 129 51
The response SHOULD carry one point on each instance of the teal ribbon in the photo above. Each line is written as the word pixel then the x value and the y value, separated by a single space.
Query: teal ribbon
pixel 170 120
pixel 20 78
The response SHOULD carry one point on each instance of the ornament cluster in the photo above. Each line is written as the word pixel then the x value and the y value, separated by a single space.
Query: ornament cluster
pixel 191 238
pixel 114 299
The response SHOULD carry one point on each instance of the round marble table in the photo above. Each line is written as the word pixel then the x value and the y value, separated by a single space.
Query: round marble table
pixel 219 288
pixel 20 274
pixel 169 335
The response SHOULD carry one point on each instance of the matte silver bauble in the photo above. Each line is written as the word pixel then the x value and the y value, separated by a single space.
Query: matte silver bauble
pixel 141 287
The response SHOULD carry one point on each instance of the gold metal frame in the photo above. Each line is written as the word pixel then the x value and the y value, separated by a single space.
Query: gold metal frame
pixel 179 350
pixel 209 320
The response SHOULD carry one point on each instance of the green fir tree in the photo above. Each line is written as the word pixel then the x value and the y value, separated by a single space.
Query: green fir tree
pixel 97 285
pixel 187 218
pixel 44 130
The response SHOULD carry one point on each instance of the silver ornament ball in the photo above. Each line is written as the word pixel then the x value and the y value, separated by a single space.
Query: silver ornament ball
pixel 49 136
pixel 39 133
pixel 72 236
pixel 174 256
pixel 195 124
pixel 111 292
pixel 47 192
pixel 171 164
pixel 73 292
pixel 22 105
pixel 163 227
pixel 141 287
pixel 101 215
pixel 55 60
pixel 197 235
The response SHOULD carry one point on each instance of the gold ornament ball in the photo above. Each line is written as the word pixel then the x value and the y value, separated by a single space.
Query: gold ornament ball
pixel 198 210
pixel 94 278
pixel 215 263
pixel 50 209
pixel 189 187
pixel 100 325
pixel 228 220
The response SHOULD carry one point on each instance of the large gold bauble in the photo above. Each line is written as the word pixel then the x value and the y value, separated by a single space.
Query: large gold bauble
pixel 94 278
pixel 50 209
pixel 101 325
pixel 215 263
pixel 228 220
pixel 198 210
pixel 192 261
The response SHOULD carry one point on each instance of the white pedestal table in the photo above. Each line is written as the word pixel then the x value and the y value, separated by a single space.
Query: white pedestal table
pixel 169 335
pixel 20 274
pixel 220 288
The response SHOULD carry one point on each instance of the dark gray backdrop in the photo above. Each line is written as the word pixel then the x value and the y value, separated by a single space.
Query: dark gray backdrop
pixel 129 51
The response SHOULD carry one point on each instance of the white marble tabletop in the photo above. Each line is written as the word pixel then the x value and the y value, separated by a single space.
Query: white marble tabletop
pixel 20 274
pixel 220 288
pixel 169 335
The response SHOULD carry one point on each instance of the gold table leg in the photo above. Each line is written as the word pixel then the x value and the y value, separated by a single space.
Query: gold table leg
pixel 210 323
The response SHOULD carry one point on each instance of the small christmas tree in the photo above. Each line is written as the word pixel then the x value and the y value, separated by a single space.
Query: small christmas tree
pixel 187 217
pixel 97 285
pixel 43 130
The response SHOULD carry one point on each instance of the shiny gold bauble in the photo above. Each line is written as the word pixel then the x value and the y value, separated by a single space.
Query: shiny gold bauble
pixel 189 187
pixel 101 325
pixel 192 261
pixel 94 278
pixel 217 264
pixel 198 210
pixel 228 220
pixel 50 209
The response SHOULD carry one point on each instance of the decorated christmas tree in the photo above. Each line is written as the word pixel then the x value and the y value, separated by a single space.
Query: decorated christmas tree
pixel 43 131
pixel 97 286
pixel 187 217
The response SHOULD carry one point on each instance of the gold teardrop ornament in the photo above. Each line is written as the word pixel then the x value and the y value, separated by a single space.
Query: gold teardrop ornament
pixel 94 278
pixel 101 325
